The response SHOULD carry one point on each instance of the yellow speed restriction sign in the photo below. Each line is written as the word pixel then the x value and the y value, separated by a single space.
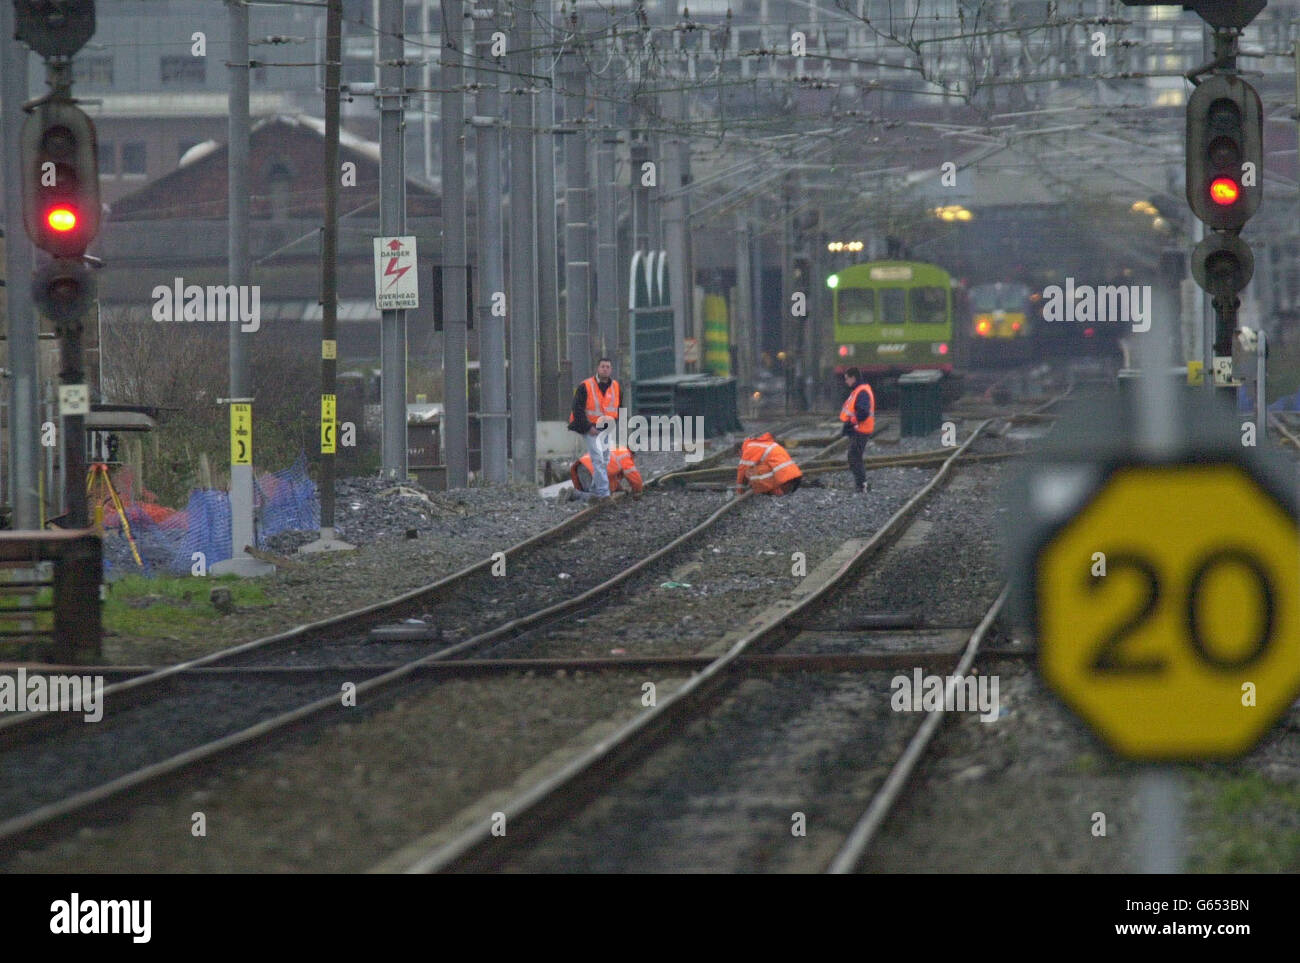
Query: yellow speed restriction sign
pixel 1167 610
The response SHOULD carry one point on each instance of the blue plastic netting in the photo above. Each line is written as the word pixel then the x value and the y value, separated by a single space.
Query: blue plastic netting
pixel 285 500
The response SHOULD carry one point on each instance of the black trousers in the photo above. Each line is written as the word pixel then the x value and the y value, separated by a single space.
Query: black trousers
pixel 858 445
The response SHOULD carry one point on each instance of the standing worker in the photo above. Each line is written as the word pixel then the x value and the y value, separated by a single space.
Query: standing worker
pixel 859 417
pixel 767 467
pixel 595 412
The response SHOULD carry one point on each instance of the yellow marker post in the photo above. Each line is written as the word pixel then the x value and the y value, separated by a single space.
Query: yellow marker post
pixel 241 434
pixel 1196 372
pixel 327 425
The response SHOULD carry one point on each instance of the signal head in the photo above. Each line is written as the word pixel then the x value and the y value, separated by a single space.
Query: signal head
pixel 60 179
pixel 1225 130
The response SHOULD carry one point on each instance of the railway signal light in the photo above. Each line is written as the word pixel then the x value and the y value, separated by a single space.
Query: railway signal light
pixel 54 28
pixel 1225 151
pixel 60 179
pixel 1217 13
pixel 1222 264
pixel 64 291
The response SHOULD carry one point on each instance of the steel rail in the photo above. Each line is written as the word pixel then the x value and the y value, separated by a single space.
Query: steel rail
pixel 19 727
pixel 567 789
pixel 855 845
pixel 468 668
pixel 46 818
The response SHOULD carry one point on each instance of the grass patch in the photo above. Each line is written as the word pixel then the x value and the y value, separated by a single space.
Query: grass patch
pixel 1245 823
pixel 172 607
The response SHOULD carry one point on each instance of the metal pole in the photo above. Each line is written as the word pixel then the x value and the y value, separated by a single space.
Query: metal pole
pixel 426 81
pixel 577 272
pixel 742 313
pixel 553 394
pixel 492 334
pixel 639 155
pixel 674 237
pixel 694 324
pixel 74 430
pixel 241 476
pixel 53 494
pixel 523 253
pixel 19 265
pixel 392 222
pixel 455 394
pixel 606 231
pixel 1261 398
pixel 329 294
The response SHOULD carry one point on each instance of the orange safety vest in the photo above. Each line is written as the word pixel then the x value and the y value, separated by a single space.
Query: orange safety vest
pixel 620 466
pixel 598 404
pixel 765 465
pixel 846 413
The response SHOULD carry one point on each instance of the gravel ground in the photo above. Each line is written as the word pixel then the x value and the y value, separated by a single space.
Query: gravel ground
pixel 723 796
pixel 69 764
pixel 1015 795
pixel 945 569
pixel 341 798
pixel 195 711
pixel 731 572
pixel 615 538
pixel 743 564
pixel 473 524
pixel 454 530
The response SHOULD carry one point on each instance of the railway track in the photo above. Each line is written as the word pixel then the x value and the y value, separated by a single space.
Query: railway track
pixel 371 681
pixel 156 695
pixel 557 801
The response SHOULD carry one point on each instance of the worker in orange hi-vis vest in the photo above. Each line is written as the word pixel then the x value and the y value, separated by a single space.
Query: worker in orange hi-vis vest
pixel 595 413
pixel 859 417
pixel 621 467
pixel 766 467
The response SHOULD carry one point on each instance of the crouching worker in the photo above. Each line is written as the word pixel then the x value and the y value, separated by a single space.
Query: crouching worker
pixel 767 467
pixel 621 468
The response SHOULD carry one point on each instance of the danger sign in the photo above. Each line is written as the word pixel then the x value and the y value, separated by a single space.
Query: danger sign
pixel 396 280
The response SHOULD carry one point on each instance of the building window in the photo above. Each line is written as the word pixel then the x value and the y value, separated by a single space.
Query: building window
pixel 93 71
pixel 133 159
pixel 183 70
pixel 107 158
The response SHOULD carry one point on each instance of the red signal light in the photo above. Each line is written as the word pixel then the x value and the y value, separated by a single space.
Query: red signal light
pixel 1224 191
pixel 943 348
pixel 844 351
pixel 61 219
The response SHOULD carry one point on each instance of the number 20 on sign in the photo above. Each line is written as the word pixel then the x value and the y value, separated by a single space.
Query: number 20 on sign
pixel 1168 611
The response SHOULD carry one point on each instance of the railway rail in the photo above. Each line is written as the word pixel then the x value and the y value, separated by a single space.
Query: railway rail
pixel 558 798
pixel 29 827
pixel 218 668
